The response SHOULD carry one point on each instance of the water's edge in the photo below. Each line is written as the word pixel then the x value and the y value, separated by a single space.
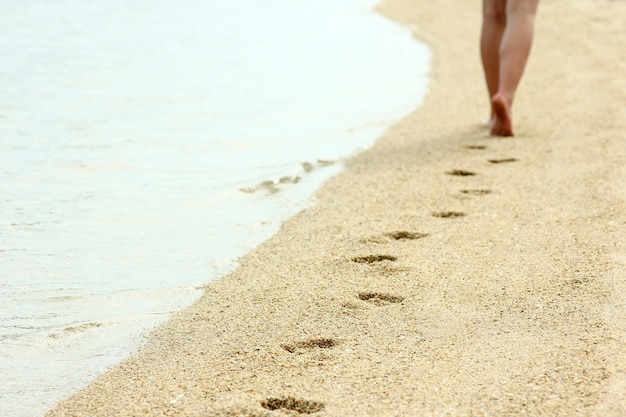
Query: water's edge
pixel 86 345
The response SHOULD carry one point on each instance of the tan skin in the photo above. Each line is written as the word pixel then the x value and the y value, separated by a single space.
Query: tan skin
pixel 506 39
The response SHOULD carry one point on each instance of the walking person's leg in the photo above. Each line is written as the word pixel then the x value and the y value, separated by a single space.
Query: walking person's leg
pixel 514 48
pixel 494 23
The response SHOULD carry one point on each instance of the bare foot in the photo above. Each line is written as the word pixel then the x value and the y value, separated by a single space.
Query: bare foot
pixel 502 124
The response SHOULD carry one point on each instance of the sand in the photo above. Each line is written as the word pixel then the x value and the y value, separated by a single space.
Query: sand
pixel 410 290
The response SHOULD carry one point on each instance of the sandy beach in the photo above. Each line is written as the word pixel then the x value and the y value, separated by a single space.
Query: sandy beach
pixel 443 272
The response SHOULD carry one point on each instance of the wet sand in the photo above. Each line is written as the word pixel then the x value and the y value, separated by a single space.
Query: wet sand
pixel 444 272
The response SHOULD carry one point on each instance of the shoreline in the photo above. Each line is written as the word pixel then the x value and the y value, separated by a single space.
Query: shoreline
pixel 99 241
pixel 378 301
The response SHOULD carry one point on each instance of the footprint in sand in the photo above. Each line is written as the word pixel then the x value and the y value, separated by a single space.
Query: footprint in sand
pixel 402 235
pixel 310 344
pixel 502 160
pixel 460 173
pixel 370 259
pixel 300 406
pixel 448 214
pixel 380 299
pixel 476 192
pixel 399 235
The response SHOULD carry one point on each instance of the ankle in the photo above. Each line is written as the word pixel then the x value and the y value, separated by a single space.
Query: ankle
pixel 503 97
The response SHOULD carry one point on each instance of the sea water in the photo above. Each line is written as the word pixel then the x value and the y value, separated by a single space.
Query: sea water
pixel 145 145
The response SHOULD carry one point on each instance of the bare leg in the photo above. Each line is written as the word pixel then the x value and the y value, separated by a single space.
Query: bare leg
pixel 494 24
pixel 514 51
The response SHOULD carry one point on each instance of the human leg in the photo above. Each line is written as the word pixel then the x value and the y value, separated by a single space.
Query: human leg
pixel 513 55
pixel 494 24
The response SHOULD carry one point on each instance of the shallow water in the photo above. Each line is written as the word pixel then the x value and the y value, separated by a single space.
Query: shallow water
pixel 142 150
